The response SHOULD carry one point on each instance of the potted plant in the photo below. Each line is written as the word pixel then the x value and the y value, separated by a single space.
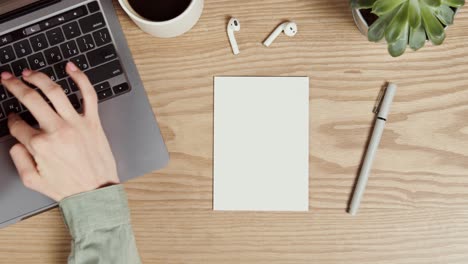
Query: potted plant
pixel 405 22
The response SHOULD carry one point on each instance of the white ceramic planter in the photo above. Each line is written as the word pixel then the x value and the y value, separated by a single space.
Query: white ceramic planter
pixel 360 21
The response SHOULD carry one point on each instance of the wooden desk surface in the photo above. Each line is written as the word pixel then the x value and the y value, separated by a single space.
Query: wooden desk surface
pixel 415 209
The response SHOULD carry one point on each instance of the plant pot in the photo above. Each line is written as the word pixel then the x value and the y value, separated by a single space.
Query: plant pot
pixel 363 24
pixel 360 21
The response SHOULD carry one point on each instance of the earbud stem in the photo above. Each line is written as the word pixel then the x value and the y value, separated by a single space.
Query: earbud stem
pixel 232 39
pixel 274 35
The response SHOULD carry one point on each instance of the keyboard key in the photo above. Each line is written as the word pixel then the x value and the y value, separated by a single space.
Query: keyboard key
pixel 6 54
pixel 18 66
pixel 104 72
pixel 23 107
pixel 65 86
pixel 5 68
pixel 93 7
pixel 102 37
pixel 74 101
pixel 101 55
pixel 37 61
pixel 60 70
pixel 10 95
pixel 5 39
pixel 50 73
pixel 31 30
pixel 92 22
pixel 76 13
pixel 69 49
pixel 29 118
pixel 51 22
pixel 121 88
pixel 4 131
pixel 22 48
pixel 11 106
pixel 2 114
pixel 72 85
pixel 85 43
pixel 80 62
pixel 102 95
pixel 3 93
pixel 102 86
pixel 60 19
pixel 39 42
pixel 71 30
pixel 55 36
pixel 53 55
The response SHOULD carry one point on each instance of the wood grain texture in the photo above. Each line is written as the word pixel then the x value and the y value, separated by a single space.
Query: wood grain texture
pixel 415 209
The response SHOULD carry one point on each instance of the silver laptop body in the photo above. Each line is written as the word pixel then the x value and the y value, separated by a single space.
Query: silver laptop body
pixel 128 119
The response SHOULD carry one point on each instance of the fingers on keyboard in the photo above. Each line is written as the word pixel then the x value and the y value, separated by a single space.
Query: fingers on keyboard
pixel 80 36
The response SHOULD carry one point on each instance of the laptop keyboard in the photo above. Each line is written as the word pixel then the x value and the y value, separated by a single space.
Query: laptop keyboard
pixel 79 35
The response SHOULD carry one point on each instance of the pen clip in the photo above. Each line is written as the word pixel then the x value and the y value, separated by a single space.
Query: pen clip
pixel 378 103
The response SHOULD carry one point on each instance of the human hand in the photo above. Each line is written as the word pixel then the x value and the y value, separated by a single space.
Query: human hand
pixel 70 153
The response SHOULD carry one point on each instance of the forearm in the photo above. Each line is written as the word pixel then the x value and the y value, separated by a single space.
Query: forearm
pixel 99 223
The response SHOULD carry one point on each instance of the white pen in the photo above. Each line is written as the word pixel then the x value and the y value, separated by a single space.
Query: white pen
pixel 372 148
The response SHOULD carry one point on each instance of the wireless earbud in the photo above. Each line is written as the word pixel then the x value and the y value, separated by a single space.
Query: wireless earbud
pixel 233 25
pixel 289 28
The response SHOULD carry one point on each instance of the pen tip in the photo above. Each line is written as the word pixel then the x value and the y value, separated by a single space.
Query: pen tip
pixel 352 211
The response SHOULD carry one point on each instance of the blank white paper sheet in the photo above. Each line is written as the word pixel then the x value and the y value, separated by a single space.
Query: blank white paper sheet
pixel 261 143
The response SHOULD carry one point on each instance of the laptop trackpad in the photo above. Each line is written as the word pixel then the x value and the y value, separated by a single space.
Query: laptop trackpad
pixel 16 200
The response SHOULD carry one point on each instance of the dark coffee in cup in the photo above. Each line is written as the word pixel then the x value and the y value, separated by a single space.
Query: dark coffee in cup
pixel 159 10
pixel 164 18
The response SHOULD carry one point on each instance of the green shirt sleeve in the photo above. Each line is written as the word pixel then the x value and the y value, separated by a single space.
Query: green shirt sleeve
pixel 99 223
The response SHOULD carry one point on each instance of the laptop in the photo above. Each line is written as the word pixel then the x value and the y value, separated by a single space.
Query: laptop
pixel 43 35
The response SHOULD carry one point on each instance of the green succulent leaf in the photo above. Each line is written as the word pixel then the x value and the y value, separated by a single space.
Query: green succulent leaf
pixel 454 3
pixel 397 48
pixel 362 4
pixel 417 37
pixel 445 14
pixel 377 30
pixel 409 22
pixel 433 3
pixel 434 29
pixel 398 26
pixel 414 13
pixel 384 6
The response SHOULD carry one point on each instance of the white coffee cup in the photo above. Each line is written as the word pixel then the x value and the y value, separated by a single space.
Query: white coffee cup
pixel 170 28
